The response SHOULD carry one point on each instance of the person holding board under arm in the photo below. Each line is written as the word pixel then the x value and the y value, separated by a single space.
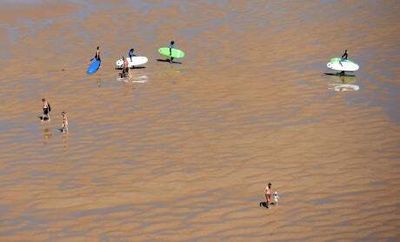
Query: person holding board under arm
pixel 345 55
pixel 131 53
pixel 171 46
pixel 97 55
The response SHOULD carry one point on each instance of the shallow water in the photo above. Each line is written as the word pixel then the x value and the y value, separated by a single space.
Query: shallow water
pixel 185 154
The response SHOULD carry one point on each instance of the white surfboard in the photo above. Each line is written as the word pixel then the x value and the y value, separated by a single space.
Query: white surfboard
pixel 346 87
pixel 339 64
pixel 136 61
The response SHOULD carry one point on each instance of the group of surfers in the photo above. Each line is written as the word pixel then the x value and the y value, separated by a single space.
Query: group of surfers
pixel 125 68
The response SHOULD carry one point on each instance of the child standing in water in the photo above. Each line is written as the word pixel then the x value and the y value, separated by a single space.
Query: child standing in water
pixel 64 125
pixel 46 109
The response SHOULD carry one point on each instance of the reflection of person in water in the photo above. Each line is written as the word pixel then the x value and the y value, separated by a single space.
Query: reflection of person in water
pixel 345 55
pixel 171 46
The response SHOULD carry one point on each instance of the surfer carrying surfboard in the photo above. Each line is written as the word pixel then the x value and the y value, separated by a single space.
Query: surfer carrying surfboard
pixel 171 46
pixel 97 55
pixel 345 55
pixel 131 53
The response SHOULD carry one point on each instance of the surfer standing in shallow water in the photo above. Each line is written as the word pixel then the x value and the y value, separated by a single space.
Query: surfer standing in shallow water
pixel 131 53
pixel 345 55
pixel 171 46
pixel 97 55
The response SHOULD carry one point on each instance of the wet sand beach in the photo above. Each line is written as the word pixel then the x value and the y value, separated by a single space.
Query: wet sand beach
pixel 182 152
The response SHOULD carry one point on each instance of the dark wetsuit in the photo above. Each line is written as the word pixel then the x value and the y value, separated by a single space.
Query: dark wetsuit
pixel 46 110
pixel 171 46
pixel 344 56
pixel 131 54
pixel 97 55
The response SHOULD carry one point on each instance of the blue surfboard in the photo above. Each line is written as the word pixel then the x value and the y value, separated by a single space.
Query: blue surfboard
pixel 93 67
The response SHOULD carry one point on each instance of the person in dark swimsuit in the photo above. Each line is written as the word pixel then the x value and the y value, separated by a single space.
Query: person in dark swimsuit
pixel 171 46
pixel 64 125
pixel 131 53
pixel 97 55
pixel 345 55
pixel 46 109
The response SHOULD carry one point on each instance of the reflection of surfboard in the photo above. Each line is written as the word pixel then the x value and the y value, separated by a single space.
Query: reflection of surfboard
pixel 93 67
pixel 339 64
pixel 175 53
pixel 346 87
pixel 136 61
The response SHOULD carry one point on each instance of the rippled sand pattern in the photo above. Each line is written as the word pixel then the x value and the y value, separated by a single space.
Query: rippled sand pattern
pixel 185 155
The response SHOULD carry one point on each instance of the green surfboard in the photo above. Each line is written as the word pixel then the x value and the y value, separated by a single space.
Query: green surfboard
pixel 175 52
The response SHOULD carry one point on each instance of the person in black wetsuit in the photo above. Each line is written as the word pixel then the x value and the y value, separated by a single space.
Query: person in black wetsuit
pixel 131 53
pixel 345 55
pixel 171 46
pixel 97 55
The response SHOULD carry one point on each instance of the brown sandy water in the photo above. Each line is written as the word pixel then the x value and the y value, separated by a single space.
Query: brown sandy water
pixel 186 155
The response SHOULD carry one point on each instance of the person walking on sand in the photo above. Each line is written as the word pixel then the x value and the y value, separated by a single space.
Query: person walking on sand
pixel 46 109
pixel 64 125
pixel 268 194
pixel 171 46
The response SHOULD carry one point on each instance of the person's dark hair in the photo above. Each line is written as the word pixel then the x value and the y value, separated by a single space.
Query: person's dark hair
pixel 43 99
pixel 172 42
pixel 132 49
pixel 269 184
pixel 98 47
